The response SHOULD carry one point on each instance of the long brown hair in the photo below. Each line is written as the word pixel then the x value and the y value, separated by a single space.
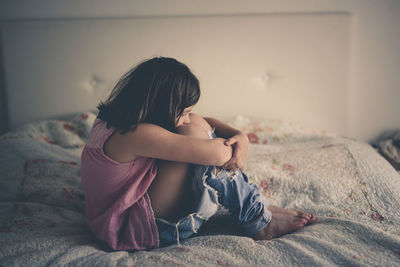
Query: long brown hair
pixel 155 91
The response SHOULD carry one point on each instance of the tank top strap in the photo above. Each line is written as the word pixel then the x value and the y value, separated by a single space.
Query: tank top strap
pixel 99 134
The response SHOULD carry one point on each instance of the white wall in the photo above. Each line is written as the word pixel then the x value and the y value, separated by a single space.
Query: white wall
pixel 374 76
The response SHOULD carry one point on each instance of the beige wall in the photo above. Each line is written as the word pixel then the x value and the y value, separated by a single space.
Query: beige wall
pixel 374 72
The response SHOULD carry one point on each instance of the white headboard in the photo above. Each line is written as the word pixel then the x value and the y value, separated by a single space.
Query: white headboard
pixel 281 66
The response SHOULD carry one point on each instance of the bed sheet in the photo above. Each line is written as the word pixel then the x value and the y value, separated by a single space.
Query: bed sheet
pixel 354 192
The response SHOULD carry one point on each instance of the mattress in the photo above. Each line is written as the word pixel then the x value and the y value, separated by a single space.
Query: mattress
pixel 354 192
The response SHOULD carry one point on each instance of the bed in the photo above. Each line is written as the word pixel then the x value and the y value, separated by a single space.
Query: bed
pixel 296 103
pixel 352 189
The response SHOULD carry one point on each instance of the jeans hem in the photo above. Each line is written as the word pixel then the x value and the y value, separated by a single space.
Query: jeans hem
pixel 253 228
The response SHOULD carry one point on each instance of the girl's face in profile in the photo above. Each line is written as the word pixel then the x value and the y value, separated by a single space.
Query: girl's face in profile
pixel 184 119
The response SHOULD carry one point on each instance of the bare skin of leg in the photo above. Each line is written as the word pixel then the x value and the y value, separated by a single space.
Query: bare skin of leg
pixel 171 197
pixel 171 192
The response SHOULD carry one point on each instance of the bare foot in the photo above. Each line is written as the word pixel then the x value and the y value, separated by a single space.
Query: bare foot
pixel 281 224
pixel 308 216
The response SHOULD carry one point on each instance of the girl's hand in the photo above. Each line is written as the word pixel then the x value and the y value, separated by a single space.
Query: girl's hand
pixel 240 145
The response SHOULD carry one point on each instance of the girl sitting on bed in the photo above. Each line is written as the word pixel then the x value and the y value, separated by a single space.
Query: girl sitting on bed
pixel 153 172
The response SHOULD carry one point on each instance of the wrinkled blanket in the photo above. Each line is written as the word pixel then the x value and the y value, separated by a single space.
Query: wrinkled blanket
pixel 354 192
pixel 388 145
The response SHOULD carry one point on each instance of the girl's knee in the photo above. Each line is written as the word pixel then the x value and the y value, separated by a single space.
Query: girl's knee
pixel 197 127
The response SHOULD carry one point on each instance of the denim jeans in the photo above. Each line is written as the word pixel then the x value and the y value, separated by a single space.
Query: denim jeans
pixel 214 187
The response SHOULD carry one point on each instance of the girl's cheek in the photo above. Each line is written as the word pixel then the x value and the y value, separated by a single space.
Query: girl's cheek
pixel 187 120
pixel 178 123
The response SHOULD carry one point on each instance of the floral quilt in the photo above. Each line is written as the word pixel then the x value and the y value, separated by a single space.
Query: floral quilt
pixel 354 192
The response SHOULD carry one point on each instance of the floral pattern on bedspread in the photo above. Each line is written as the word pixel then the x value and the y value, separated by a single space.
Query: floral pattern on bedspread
pixel 67 134
pixel 354 192
pixel 345 191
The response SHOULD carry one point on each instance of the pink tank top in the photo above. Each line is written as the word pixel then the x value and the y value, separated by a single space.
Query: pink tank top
pixel 117 206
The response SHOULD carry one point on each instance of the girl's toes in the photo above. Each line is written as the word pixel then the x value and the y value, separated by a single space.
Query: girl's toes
pixel 302 221
pixel 304 215
pixel 307 216
pixel 313 218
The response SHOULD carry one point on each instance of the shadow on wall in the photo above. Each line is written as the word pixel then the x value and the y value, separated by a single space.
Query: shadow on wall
pixel 4 121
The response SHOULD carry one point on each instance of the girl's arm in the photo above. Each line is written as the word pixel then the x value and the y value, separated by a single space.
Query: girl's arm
pixel 237 139
pixel 222 129
pixel 149 140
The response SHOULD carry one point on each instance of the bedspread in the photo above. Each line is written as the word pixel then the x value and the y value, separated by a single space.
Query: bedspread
pixel 354 192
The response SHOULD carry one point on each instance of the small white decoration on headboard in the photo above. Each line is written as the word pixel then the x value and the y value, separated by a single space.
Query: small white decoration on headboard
pixel 90 85
pixel 264 80
pixel 266 77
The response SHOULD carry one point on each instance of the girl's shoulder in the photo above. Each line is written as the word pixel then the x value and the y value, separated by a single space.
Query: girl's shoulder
pixel 123 147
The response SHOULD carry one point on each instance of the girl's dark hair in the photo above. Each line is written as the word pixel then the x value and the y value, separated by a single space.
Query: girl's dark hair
pixel 155 91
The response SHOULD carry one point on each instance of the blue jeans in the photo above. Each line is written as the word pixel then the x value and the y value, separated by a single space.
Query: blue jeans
pixel 214 186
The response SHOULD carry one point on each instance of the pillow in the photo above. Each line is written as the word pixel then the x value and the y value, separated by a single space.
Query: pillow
pixel 276 131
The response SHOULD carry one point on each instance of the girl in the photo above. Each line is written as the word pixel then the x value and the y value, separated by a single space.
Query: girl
pixel 153 172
